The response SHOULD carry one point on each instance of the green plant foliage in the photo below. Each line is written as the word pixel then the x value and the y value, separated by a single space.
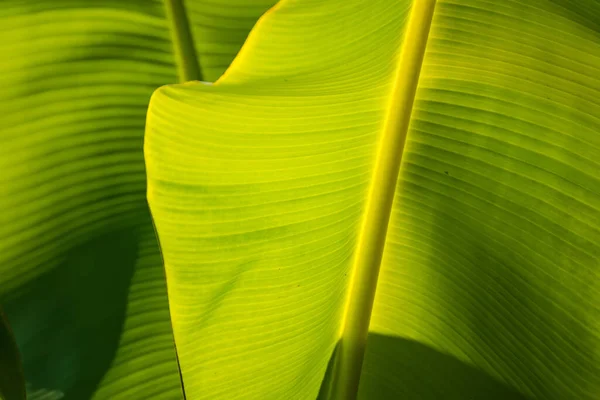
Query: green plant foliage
pixel 490 280
pixel 81 274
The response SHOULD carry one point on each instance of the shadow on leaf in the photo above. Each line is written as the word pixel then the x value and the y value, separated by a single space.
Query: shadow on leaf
pixel 68 322
pixel 397 368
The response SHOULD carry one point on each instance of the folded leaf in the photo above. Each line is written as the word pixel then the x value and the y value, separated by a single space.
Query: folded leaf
pixel 260 186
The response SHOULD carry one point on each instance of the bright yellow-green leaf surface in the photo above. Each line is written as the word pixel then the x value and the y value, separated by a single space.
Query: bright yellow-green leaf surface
pixel 490 281
pixel 81 275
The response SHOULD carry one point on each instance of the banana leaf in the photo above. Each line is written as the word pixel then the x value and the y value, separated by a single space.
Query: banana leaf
pixel 387 199
pixel 81 276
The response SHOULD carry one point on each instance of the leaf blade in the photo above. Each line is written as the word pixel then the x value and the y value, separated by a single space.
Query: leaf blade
pixel 236 250
pixel 491 240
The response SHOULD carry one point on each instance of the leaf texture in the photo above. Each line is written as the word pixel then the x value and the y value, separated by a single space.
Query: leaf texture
pixel 258 183
pixel 492 253
pixel 81 273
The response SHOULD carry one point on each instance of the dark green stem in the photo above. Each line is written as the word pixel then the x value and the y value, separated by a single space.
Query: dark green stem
pixel 188 68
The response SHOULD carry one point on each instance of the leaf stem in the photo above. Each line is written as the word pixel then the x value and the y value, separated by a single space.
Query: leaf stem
pixel 373 233
pixel 188 68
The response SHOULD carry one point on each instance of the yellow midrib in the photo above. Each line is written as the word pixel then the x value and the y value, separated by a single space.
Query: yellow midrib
pixel 371 242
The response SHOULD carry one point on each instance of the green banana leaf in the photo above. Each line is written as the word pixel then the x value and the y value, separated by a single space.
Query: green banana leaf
pixel 81 275
pixel 271 192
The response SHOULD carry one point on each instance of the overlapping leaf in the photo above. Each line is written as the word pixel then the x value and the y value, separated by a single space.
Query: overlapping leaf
pixel 81 273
